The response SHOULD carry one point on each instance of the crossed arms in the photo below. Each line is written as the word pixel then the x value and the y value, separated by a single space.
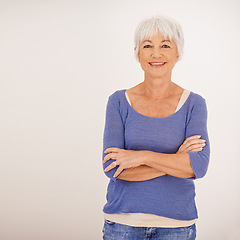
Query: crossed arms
pixel 190 161
pixel 145 165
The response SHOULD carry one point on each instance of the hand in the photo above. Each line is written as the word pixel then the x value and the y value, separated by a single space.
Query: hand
pixel 124 159
pixel 193 144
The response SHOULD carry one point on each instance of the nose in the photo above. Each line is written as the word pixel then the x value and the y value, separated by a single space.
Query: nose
pixel 157 53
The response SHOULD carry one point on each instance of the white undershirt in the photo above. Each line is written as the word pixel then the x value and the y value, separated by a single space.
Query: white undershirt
pixel 182 100
pixel 150 220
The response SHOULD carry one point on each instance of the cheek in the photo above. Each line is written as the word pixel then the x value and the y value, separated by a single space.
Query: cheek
pixel 144 53
pixel 173 57
pixel 143 65
pixel 143 58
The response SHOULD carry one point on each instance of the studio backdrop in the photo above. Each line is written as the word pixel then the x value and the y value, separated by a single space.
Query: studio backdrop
pixel 59 63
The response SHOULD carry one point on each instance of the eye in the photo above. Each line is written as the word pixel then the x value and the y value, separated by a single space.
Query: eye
pixel 165 46
pixel 147 46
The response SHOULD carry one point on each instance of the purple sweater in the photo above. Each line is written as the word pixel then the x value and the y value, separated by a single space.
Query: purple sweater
pixel 165 196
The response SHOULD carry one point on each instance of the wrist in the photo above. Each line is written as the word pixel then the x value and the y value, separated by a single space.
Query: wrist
pixel 146 156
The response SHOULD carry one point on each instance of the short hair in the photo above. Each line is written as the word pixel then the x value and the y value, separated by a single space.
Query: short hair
pixel 166 26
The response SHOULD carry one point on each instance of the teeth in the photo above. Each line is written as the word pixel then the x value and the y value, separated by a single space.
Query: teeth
pixel 157 63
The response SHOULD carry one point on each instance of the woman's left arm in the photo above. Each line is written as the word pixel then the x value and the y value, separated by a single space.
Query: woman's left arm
pixel 189 164
pixel 177 165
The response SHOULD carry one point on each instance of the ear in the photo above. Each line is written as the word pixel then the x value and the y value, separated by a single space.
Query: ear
pixel 138 53
pixel 177 58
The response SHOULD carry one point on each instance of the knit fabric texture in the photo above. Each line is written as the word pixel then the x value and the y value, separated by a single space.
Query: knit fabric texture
pixel 166 196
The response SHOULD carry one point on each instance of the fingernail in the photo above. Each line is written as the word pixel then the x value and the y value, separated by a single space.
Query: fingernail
pixel 203 140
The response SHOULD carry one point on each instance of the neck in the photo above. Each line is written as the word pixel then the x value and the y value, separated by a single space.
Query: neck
pixel 157 88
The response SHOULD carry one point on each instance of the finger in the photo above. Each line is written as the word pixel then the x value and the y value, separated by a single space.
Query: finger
pixel 196 146
pixel 193 142
pixel 192 138
pixel 110 156
pixel 119 170
pixel 182 148
pixel 111 149
pixel 111 166
pixel 187 143
pixel 197 150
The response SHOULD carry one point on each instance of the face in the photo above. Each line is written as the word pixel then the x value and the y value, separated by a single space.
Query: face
pixel 157 56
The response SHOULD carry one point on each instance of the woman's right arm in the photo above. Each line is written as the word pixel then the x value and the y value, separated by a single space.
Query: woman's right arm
pixel 113 134
pixel 114 137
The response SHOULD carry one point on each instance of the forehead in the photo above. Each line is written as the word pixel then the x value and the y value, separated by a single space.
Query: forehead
pixel 155 37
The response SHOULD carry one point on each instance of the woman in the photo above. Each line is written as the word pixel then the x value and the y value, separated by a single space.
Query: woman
pixel 155 144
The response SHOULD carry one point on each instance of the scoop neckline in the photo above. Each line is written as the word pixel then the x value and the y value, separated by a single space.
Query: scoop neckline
pixel 124 92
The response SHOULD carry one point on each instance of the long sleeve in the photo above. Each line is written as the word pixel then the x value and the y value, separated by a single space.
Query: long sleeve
pixel 113 134
pixel 197 125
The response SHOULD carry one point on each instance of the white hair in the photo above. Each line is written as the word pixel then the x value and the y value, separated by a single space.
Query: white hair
pixel 166 26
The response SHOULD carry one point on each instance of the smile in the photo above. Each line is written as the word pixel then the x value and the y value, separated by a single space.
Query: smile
pixel 157 63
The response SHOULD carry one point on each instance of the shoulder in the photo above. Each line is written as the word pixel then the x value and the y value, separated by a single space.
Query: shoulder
pixel 197 105
pixel 196 99
pixel 117 97
pixel 119 104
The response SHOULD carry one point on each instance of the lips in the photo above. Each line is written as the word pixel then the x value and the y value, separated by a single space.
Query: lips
pixel 157 63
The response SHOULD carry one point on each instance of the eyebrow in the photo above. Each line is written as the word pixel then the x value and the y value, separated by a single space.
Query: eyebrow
pixel 165 40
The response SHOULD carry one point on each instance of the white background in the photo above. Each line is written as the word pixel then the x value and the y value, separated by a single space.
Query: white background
pixel 59 62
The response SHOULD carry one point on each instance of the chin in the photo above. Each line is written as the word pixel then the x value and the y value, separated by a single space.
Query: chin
pixel 157 75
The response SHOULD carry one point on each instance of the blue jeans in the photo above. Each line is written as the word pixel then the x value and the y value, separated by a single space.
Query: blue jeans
pixel 116 231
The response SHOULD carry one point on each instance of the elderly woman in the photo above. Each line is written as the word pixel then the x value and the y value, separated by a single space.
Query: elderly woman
pixel 155 144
